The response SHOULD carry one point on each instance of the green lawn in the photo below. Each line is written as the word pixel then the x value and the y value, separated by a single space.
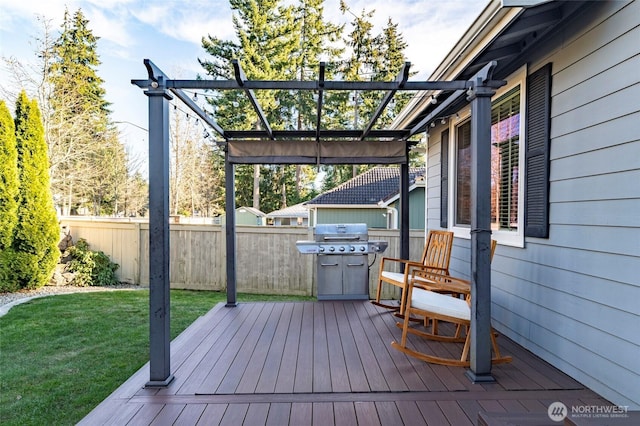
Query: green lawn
pixel 61 356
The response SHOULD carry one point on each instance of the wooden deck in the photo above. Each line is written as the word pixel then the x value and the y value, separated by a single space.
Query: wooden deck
pixel 327 363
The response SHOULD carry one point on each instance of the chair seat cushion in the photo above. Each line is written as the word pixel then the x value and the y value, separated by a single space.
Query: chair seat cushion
pixel 441 304
pixel 393 276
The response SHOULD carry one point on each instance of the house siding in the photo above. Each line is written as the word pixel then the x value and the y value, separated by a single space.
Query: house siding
pixel 372 217
pixel 574 298
pixel 416 208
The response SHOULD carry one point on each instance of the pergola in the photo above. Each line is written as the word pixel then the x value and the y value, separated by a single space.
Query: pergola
pixel 318 146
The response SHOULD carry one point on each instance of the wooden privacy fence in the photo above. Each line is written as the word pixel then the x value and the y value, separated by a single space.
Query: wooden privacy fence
pixel 268 261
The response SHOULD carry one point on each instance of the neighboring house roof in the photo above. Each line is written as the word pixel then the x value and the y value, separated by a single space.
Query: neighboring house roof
pixel 299 210
pixel 253 211
pixel 378 185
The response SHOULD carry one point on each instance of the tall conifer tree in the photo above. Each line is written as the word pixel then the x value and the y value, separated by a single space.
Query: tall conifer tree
pixel 80 126
pixel 37 231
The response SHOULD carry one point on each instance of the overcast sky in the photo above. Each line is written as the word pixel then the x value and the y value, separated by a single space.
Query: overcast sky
pixel 169 32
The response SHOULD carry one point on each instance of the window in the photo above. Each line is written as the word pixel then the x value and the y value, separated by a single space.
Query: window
pixel 505 160
pixel 463 178
pixel 519 204
pixel 507 130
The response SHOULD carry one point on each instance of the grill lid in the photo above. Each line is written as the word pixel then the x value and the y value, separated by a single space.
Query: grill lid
pixel 341 232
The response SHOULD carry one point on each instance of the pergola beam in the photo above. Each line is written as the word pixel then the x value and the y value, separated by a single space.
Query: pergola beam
pixel 241 79
pixel 328 85
pixel 312 134
pixel 195 108
pixel 401 79
pixel 156 74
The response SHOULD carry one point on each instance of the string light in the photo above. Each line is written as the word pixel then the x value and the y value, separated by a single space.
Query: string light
pixel 433 100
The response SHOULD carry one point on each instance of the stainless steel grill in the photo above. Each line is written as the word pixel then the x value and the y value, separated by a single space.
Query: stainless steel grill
pixel 342 261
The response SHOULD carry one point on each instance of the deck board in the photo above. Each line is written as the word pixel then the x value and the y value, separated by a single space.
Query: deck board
pixel 190 415
pixel 327 363
pixel 285 380
pixel 303 381
pixel 337 364
pixel 344 413
pixel 273 361
pixel 279 413
pixel 432 413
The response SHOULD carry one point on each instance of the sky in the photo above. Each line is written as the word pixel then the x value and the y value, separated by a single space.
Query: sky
pixel 169 32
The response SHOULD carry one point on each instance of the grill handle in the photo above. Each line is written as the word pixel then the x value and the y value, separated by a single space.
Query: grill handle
pixel 341 239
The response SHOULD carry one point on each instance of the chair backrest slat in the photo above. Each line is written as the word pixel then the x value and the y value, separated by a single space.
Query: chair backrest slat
pixel 437 250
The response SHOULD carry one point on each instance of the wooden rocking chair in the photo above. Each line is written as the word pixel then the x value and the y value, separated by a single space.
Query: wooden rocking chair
pixel 435 258
pixel 441 307
pixel 444 283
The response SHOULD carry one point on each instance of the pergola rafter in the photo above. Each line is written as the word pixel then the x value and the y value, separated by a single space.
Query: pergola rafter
pixel 402 78
pixel 241 78
pixel 319 86
pixel 338 146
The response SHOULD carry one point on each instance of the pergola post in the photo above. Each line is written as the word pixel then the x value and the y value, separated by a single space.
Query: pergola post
pixel 159 285
pixel 480 351
pixel 230 229
pixel 404 207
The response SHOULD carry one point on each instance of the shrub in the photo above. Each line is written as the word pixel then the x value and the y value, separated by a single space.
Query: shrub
pixel 9 190
pixel 36 235
pixel 91 267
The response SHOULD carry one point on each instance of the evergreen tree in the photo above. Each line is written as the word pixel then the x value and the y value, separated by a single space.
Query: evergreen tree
pixel 9 187
pixel 74 70
pixel 282 42
pixel 275 42
pixel 265 39
pixel 37 231
pixel 372 57
pixel 80 134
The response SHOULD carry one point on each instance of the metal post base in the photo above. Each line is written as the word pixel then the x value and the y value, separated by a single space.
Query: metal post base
pixel 479 378
pixel 160 383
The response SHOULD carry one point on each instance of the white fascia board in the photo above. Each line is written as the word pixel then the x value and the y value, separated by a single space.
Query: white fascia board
pixel 523 3
pixel 344 206
pixel 397 196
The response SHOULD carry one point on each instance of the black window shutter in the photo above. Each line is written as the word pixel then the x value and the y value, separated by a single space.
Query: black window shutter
pixel 537 153
pixel 444 179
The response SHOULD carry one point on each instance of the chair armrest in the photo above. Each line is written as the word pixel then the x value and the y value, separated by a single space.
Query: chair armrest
pixel 406 262
pixel 439 282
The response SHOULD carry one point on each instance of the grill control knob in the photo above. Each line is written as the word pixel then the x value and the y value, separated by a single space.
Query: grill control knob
pixel 332 249
pixel 362 248
pixel 341 248
pixel 352 248
pixel 321 249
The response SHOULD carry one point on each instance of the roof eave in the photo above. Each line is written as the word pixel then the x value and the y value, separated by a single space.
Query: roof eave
pixel 495 17
pixel 343 206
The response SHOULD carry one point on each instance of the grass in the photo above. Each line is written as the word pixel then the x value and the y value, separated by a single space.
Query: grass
pixel 61 356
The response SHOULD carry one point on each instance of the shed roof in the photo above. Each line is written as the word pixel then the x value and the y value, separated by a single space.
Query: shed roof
pixel 299 210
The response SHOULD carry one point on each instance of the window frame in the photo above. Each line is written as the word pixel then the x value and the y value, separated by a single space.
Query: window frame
pixel 504 237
